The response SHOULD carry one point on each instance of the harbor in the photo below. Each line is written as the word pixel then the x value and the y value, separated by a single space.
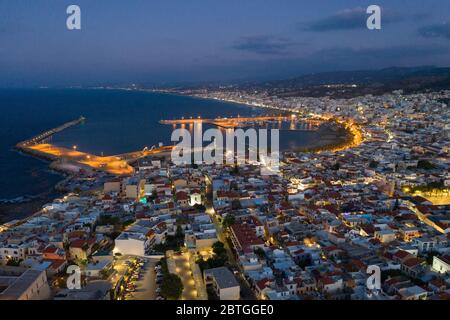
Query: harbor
pixel 71 159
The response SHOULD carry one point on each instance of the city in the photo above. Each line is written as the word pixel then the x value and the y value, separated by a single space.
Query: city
pixel 207 159
pixel 226 232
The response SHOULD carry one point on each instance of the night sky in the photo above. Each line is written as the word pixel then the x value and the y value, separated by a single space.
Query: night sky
pixel 168 41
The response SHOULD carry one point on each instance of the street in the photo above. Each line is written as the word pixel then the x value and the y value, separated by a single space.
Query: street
pixel 146 286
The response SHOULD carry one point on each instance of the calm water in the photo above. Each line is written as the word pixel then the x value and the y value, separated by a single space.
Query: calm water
pixel 117 122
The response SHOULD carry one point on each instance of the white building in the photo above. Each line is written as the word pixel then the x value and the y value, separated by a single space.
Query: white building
pixel 441 264
pixel 135 189
pixel 128 243
pixel 385 236
pixel 95 269
pixel 195 198
pixel 224 283
pixel 23 284
pixel 14 252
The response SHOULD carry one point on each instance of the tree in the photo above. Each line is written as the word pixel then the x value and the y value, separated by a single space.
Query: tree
pixel 228 220
pixel 219 248
pixel 373 164
pixel 172 242
pixel 171 287
pixel 14 262
pixel 153 196
pixel 396 205
pixel 218 260
pixel 424 164
pixel 199 207
pixel 179 233
pixel 259 252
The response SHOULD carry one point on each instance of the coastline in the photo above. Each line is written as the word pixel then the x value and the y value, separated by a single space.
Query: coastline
pixel 25 210
pixel 343 140
pixel 331 140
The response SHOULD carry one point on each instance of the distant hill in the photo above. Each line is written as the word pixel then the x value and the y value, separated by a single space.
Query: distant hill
pixel 352 83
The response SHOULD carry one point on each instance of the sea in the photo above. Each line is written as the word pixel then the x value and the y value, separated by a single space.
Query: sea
pixel 117 121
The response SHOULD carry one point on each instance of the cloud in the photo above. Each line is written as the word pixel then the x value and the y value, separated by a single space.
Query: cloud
pixel 264 45
pixel 436 31
pixel 348 19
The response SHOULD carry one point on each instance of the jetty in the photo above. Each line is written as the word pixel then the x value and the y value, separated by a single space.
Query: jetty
pixel 115 164
pixel 47 134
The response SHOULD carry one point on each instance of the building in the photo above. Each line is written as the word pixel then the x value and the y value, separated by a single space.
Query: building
pixel 182 199
pixel 12 252
pixel 81 249
pixel 223 282
pixel 17 283
pixel 244 238
pixel 195 198
pixel 413 293
pixel 441 264
pixel 114 185
pixel 95 290
pixel 97 269
pixel 135 189
pixel 130 243
pixel 424 244
pixel 385 236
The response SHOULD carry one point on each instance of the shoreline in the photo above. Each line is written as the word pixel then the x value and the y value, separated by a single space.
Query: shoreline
pixel 23 210
pixel 337 143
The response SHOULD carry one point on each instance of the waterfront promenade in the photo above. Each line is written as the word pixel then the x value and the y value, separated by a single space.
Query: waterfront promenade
pixel 234 122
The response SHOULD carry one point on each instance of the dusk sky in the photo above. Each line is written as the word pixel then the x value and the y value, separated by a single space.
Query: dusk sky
pixel 166 41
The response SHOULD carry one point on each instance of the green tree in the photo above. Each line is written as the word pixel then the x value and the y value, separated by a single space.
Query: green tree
pixel 259 252
pixel 179 233
pixel 373 164
pixel 424 164
pixel 14 262
pixel 219 259
pixel 228 220
pixel 219 248
pixel 396 205
pixel 171 287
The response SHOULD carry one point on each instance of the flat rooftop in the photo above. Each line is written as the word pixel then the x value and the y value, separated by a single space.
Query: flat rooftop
pixel 223 276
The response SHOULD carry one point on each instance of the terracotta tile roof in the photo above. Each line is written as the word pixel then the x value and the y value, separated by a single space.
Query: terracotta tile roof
pixel 245 235
pixel 412 262
pixel 401 254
